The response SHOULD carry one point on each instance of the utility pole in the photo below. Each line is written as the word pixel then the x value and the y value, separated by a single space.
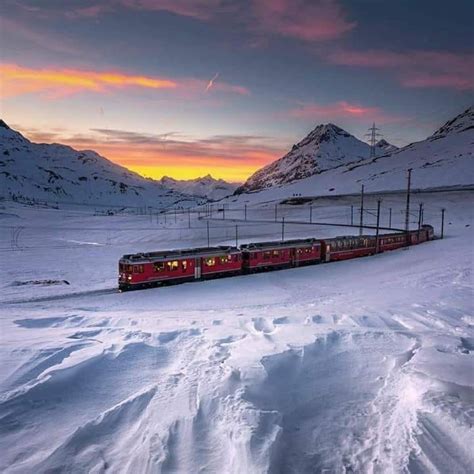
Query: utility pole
pixel 442 222
pixel 283 228
pixel 373 136
pixel 208 237
pixel 390 217
pixel 361 210
pixel 420 213
pixel 407 211
pixel 377 230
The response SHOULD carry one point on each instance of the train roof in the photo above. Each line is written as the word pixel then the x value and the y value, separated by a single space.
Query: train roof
pixel 180 253
pixel 281 244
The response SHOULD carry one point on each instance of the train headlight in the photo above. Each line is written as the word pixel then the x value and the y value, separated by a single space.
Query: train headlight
pixel 129 277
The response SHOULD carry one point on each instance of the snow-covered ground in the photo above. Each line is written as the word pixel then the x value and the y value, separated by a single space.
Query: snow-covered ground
pixel 358 366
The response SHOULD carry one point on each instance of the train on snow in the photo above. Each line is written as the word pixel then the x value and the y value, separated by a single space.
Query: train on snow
pixel 145 270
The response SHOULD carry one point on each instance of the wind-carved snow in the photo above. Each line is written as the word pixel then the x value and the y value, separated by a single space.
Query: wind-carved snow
pixel 356 366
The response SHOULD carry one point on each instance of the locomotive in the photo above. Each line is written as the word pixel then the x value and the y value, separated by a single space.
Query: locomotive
pixel 145 270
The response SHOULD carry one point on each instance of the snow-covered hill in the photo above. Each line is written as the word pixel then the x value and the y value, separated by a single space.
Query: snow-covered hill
pixel 445 159
pixel 326 147
pixel 59 173
pixel 205 187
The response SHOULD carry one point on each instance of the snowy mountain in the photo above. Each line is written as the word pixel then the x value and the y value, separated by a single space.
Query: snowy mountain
pixel 205 187
pixel 445 159
pixel 59 173
pixel 326 147
pixel 382 147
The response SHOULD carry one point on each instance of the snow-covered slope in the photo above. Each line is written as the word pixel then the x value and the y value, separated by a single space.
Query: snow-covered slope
pixel 205 187
pixel 445 159
pixel 326 147
pixel 58 173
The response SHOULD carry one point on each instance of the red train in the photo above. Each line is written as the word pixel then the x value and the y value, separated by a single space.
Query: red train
pixel 143 270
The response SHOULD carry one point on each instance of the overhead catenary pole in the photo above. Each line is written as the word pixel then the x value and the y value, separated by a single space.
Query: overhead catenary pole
pixel 310 214
pixel 361 210
pixel 390 217
pixel 245 211
pixel 208 237
pixel 352 214
pixel 442 222
pixel 236 235
pixel 283 228
pixel 407 211
pixel 420 213
pixel 377 230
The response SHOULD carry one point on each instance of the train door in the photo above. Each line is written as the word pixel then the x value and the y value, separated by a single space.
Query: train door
pixel 197 269
pixel 294 257
pixel 328 252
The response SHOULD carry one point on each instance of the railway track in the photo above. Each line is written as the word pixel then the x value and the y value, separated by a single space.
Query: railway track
pixel 66 296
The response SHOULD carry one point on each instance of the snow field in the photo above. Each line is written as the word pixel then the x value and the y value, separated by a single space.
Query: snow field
pixel 357 366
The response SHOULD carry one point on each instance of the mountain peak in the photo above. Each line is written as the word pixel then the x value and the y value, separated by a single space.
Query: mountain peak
pixel 327 146
pixel 384 147
pixel 4 125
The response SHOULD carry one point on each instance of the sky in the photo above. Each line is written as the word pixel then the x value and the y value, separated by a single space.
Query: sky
pixel 184 88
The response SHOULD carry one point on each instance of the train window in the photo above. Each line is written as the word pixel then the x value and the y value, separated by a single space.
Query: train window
pixel 173 265
pixel 158 266
pixel 135 268
pixel 140 269
pixel 276 253
pixel 210 262
pixel 226 259
pixel 267 255
pixel 184 264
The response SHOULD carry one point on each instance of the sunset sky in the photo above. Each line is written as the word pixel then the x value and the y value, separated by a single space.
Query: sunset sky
pixel 189 87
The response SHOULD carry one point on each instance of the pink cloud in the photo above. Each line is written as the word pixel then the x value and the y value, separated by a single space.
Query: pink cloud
pixel 318 20
pixel 200 9
pixel 415 68
pixel 342 110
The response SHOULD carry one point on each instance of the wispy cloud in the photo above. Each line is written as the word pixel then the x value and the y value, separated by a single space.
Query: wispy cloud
pixel 18 80
pixel 59 82
pixel 342 110
pixel 415 68
pixel 318 20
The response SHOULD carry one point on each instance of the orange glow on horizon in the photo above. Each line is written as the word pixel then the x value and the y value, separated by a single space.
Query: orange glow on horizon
pixel 155 162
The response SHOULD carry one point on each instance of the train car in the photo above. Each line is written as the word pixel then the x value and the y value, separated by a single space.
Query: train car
pixel 345 247
pixel 392 241
pixel 271 255
pixel 175 266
